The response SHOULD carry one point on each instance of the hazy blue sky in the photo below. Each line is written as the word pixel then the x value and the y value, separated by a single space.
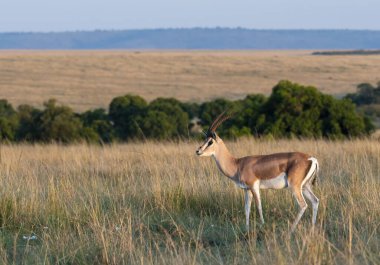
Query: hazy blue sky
pixel 56 15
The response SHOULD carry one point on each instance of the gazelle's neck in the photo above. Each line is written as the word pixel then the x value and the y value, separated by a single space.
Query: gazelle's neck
pixel 225 161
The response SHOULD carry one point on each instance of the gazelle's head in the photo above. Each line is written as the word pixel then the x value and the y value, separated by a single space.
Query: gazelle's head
pixel 211 144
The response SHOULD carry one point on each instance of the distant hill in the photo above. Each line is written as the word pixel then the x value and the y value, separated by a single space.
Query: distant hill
pixel 195 38
pixel 348 52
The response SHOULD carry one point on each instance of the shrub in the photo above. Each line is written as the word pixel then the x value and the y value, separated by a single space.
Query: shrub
pixel 8 121
pixel 28 123
pixel 97 126
pixel 165 119
pixel 295 110
pixel 127 113
pixel 292 110
pixel 57 123
pixel 367 98
pixel 366 94
pixel 210 110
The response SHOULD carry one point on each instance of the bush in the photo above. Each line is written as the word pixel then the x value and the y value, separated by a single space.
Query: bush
pixel 292 110
pixel 367 98
pixel 366 94
pixel 28 123
pixel 295 110
pixel 165 119
pixel 191 108
pixel 8 121
pixel 210 110
pixel 58 123
pixel 127 113
pixel 248 121
pixel 97 126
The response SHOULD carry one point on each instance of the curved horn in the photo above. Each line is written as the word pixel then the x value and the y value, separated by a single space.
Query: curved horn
pixel 217 122
pixel 212 127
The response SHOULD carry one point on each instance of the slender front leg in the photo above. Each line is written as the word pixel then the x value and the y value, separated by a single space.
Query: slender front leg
pixel 256 192
pixel 248 202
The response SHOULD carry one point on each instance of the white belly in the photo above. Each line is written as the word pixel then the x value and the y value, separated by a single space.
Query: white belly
pixel 279 182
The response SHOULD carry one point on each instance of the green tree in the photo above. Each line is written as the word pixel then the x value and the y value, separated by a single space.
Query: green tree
pixel 127 113
pixel 97 126
pixel 28 123
pixel 248 119
pixel 58 123
pixel 367 98
pixel 292 110
pixel 295 110
pixel 211 109
pixel 366 94
pixel 191 108
pixel 165 119
pixel 8 121
pixel 340 119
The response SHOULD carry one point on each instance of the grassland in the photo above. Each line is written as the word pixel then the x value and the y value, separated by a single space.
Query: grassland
pixel 157 203
pixel 89 79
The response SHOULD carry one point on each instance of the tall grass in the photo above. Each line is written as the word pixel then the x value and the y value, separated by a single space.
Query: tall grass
pixel 157 203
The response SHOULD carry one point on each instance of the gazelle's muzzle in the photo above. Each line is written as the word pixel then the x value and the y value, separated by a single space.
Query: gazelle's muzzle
pixel 199 151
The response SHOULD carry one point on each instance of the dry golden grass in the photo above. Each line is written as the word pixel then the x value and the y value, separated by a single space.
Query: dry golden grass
pixel 89 79
pixel 157 203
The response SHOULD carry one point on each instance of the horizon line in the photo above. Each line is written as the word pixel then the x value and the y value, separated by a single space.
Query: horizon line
pixel 185 28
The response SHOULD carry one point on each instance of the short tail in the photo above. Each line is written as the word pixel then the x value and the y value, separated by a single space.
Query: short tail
pixel 316 171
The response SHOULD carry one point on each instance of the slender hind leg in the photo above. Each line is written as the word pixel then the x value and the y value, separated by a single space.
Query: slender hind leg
pixel 314 201
pixel 248 202
pixel 297 183
pixel 256 192
pixel 303 205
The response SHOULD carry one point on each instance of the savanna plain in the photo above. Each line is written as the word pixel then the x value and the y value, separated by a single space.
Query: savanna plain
pixel 158 203
pixel 91 79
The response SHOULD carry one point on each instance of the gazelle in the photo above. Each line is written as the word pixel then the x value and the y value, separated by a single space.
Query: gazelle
pixel 294 170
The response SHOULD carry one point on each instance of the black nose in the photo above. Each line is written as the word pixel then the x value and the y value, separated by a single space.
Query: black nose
pixel 197 152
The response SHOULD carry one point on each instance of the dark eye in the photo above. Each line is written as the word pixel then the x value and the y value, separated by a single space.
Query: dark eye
pixel 210 143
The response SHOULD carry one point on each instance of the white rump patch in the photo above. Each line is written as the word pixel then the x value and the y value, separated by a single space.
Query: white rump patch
pixel 313 170
pixel 279 182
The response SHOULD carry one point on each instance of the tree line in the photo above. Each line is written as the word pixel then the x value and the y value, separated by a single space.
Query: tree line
pixel 367 99
pixel 292 110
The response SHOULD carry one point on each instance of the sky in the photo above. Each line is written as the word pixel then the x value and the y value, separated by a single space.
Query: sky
pixel 72 15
